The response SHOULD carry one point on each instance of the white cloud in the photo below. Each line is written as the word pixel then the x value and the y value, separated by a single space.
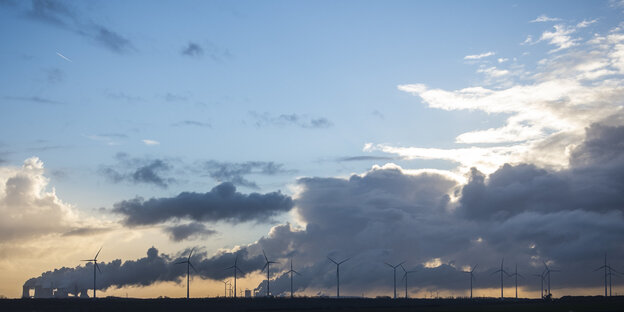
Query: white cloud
pixel 586 23
pixel 28 209
pixel 548 110
pixel 560 37
pixel 502 60
pixel 493 71
pixel 150 142
pixel 478 56
pixel 543 18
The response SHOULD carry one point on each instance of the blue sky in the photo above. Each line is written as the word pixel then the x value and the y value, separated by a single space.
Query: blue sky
pixel 269 92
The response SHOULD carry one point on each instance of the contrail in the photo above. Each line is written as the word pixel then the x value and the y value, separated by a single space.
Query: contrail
pixel 64 57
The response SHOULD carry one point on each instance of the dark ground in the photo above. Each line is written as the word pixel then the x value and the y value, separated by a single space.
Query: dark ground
pixel 313 304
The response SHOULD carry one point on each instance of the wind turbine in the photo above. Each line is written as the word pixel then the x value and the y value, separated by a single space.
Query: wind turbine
pixel 291 277
pixel 235 267
pixel 95 266
pixel 405 278
pixel 189 265
pixel 501 273
pixel 225 283
pixel 606 268
pixel 394 267
pixel 471 278
pixel 516 275
pixel 267 266
pixel 548 270
pixel 338 274
pixel 541 276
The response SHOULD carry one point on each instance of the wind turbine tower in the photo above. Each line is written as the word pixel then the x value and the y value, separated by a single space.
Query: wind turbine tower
pixel 471 278
pixel 189 265
pixel 405 278
pixel 501 270
pixel 338 274
pixel 267 266
pixel 95 266
pixel 548 271
pixel 394 267
pixel 516 275
pixel 235 267
pixel 607 273
pixel 291 277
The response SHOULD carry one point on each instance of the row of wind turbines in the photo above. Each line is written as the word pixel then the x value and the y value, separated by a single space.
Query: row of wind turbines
pixel 544 276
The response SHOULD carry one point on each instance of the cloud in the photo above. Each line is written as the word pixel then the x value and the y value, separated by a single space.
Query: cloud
pixel 493 72
pixel 364 158
pixel 193 50
pixel 109 138
pixel 433 221
pixel 58 14
pixel 27 207
pixel 303 121
pixel 222 203
pixel 546 111
pixel 153 268
pixel 138 171
pixel 150 142
pixel 87 231
pixel 560 37
pixel 543 18
pixel 186 231
pixel 236 172
pixel 34 99
pixel 192 123
pixel 478 56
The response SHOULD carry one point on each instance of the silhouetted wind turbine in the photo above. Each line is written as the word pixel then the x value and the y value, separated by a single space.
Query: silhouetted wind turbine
pixel 608 274
pixel 225 283
pixel 471 278
pixel 338 274
pixel 394 267
pixel 267 266
pixel 189 265
pixel 405 278
pixel 95 266
pixel 541 276
pixel 291 277
pixel 235 267
pixel 548 270
pixel 516 275
pixel 501 273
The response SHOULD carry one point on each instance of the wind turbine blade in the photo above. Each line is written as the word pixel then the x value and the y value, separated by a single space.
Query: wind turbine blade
pixel 265 257
pixel 180 262
pixel 88 260
pixel 547 269
pixel 189 257
pixel 473 268
pixel 239 270
pixel 229 268
pixel 273 262
pixel 297 273
pixel 600 268
pixel 192 267
pixel 236 260
pixel 497 271
pixel 98 252
pixel 332 260
pixel 345 260
pixel 98 268
pixel 264 267
pixel 400 264
pixel 388 264
pixel 402 267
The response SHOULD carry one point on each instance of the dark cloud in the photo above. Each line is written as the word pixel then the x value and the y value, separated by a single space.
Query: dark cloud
pixel 34 99
pixel 153 268
pixel 378 114
pixel 365 158
pixel 236 172
pixel 181 232
pixel 193 49
pixel 87 231
pixel 170 97
pixel 59 14
pixel 192 123
pixel 138 171
pixel 522 213
pixel 222 203
pixel 303 121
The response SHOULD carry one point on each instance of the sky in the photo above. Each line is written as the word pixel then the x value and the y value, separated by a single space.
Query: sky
pixel 440 133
